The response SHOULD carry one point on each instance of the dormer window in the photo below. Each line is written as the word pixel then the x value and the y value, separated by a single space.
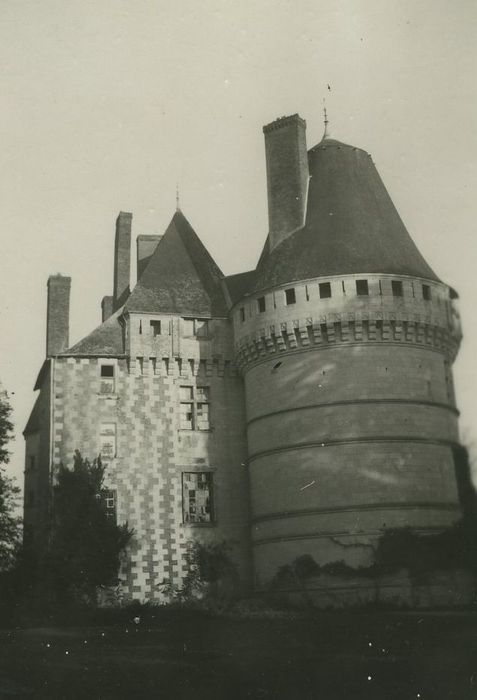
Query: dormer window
pixel 290 297
pixel 325 290
pixel 397 288
pixel 261 304
pixel 362 289
pixel 426 292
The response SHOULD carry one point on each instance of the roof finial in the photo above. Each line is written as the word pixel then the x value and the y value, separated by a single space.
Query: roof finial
pixel 178 207
pixel 326 132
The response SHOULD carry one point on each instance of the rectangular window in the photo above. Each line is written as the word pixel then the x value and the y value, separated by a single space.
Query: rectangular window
pixel 290 297
pixel 197 497
pixel 426 292
pixel 362 288
pixel 201 328
pixel 109 502
pixel 261 304
pixel 397 288
pixel 325 290
pixel 107 442
pixel 242 314
pixel 194 408
pixel 155 327
pixel 107 379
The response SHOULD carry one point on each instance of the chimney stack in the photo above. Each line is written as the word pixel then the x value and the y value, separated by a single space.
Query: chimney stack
pixel 106 308
pixel 146 245
pixel 57 314
pixel 122 259
pixel 287 176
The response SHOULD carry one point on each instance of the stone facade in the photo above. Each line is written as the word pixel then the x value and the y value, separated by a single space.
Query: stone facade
pixel 283 412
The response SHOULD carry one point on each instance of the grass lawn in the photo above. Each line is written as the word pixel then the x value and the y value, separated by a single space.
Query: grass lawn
pixel 325 655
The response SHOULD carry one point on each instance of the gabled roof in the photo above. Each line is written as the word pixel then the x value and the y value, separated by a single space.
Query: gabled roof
pixel 180 278
pixel 351 225
pixel 106 339
pixel 33 424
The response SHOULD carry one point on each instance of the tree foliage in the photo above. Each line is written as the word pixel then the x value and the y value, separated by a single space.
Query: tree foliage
pixel 85 544
pixel 9 492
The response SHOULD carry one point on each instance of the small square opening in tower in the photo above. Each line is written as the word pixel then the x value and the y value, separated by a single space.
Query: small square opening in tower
pixel 261 304
pixel 362 289
pixel 426 292
pixel 397 288
pixel 155 327
pixel 290 297
pixel 325 290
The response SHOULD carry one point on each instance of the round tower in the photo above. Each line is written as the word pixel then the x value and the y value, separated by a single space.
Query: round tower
pixel 346 342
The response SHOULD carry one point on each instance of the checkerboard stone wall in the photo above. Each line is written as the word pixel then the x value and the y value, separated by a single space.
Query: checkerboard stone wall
pixel 152 452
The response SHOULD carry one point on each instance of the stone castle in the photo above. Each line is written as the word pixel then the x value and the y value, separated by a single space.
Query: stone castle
pixel 303 407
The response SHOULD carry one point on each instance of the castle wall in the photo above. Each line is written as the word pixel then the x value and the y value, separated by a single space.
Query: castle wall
pixel 37 471
pixel 150 451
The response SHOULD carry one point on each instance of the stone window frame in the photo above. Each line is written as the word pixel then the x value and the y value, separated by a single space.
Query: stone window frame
pixel 362 288
pixel 107 385
pixel 191 475
pixel 109 501
pixel 290 296
pixel 198 330
pixel 397 288
pixel 324 289
pixel 198 407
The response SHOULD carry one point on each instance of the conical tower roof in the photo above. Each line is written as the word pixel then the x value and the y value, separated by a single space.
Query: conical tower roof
pixel 181 277
pixel 351 225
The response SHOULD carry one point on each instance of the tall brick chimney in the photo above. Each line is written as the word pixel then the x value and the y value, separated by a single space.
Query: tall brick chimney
pixel 287 176
pixel 146 245
pixel 57 314
pixel 122 259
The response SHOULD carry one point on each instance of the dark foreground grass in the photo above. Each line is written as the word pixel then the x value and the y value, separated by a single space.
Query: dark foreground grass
pixel 327 656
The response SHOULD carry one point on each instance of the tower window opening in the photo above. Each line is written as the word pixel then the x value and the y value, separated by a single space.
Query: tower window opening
pixel 426 292
pixel 343 286
pixel 325 290
pixel 306 293
pixel 362 289
pixel 261 304
pixel 140 327
pixel 155 327
pixel 290 297
pixel 380 288
pixel 397 288
pixel 107 379
pixel 242 314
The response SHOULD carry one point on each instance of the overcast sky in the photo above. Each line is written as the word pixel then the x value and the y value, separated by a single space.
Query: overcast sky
pixel 107 104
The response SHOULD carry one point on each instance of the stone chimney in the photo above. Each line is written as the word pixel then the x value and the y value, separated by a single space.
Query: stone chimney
pixel 146 245
pixel 57 314
pixel 287 176
pixel 122 259
pixel 106 308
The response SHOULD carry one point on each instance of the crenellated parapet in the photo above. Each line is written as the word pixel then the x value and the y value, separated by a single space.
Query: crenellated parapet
pixel 349 309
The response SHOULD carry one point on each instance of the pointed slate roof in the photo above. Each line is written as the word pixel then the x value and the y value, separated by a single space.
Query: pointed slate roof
pixel 238 285
pixel 180 278
pixel 106 339
pixel 351 226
